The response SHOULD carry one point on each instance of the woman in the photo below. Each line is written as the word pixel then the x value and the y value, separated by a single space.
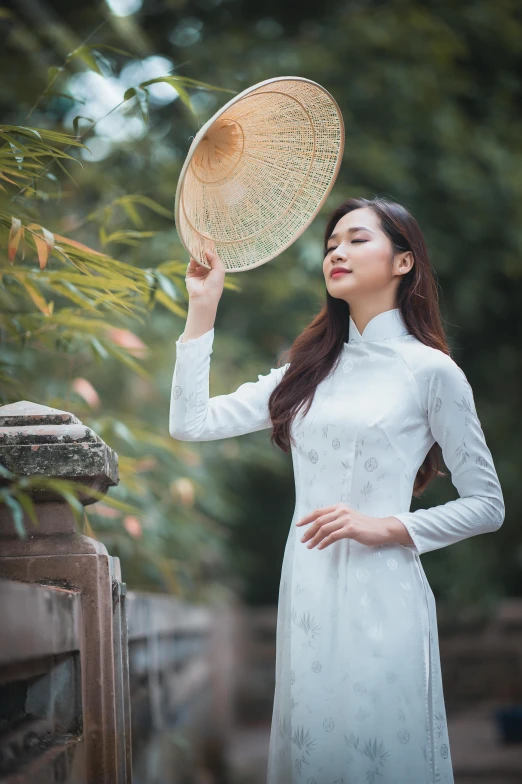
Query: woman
pixel 358 694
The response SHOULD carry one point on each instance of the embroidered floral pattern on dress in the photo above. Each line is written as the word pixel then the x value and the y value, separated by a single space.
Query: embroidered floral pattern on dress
pixel 371 464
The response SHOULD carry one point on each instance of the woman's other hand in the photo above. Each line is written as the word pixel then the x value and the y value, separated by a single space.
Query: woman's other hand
pixel 339 521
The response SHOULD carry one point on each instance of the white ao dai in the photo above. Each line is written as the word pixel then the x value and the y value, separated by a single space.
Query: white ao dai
pixel 358 696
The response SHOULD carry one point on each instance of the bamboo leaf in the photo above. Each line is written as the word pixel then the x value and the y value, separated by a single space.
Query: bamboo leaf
pixel 75 321
pixel 196 83
pixel 11 182
pixel 175 83
pixel 125 235
pixel 132 212
pixel 16 148
pixel 27 502
pixel 71 292
pixel 42 133
pixel 69 496
pixel 153 283
pixel 6 473
pixel 151 439
pixel 21 175
pixel 54 152
pixel 167 286
pixel 53 72
pixel 35 295
pixel 14 238
pixel 115 503
pixel 66 95
pixel 67 172
pixel 17 513
pixel 30 130
pixel 143 103
pixel 169 304
pixel 88 529
pixel 75 244
pixel 124 357
pixel 87 57
pixel 102 59
pixel 151 204
pixel 92 281
pixel 44 244
pixel 173 267
pixel 97 346
pixel 121 430
pixel 42 250
pixel 76 123
pixel 114 49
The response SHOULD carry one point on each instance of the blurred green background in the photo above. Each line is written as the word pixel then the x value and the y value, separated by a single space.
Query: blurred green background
pixel 431 98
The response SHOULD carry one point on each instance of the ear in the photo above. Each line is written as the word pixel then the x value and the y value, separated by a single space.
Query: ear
pixel 405 262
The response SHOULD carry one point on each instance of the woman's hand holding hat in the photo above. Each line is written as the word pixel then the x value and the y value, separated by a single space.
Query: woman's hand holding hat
pixel 203 284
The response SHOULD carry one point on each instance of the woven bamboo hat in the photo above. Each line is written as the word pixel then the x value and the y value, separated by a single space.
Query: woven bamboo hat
pixel 258 172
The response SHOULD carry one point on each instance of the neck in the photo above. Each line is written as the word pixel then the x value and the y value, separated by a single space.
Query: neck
pixel 362 313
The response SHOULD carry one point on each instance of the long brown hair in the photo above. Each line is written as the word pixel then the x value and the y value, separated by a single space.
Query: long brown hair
pixel 314 352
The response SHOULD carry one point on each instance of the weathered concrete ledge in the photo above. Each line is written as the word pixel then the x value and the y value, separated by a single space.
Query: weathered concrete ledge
pixel 38 440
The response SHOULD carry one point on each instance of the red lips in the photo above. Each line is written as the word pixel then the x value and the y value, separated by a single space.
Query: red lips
pixel 339 271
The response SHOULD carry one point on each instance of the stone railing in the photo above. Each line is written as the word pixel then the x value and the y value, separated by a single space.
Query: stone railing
pixel 71 707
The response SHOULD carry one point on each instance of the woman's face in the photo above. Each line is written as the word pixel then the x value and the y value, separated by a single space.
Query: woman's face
pixel 359 244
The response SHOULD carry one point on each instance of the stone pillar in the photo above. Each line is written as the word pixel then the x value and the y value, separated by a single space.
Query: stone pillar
pixel 35 439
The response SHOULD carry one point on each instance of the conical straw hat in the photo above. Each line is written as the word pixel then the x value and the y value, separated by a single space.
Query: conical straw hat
pixel 258 172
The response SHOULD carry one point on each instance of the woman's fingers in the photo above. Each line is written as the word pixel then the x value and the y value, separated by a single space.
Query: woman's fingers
pixel 316 526
pixel 324 531
pixel 333 537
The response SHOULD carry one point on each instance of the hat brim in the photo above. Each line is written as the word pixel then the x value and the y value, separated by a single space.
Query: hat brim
pixel 258 172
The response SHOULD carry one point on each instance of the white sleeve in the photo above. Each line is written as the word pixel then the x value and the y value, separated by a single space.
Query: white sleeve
pixel 194 416
pixel 455 425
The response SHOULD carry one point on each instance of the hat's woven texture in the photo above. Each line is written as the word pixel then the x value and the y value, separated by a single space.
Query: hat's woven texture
pixel 258 172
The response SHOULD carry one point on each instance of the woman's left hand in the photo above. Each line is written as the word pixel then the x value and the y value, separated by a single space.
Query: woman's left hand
pixel 339 521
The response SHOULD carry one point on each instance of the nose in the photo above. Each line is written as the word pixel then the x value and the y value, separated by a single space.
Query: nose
pixel 339 254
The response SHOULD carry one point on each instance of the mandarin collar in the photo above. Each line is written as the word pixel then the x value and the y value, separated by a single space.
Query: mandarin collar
pixel 385 325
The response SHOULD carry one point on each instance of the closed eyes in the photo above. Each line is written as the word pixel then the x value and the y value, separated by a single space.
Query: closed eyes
pixel 334 246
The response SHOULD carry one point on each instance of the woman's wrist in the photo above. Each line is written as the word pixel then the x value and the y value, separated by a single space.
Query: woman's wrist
pixel 397 531
pixel 201 318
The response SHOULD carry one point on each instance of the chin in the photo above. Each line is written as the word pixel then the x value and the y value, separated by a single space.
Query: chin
pixel 336 289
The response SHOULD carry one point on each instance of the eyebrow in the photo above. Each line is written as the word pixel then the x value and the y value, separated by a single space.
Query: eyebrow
pixel 353 228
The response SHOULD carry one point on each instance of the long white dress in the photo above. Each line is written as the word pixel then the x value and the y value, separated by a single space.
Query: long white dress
pixel 358 696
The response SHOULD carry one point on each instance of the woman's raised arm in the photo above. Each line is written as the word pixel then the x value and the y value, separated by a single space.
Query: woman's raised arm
pixel 194 416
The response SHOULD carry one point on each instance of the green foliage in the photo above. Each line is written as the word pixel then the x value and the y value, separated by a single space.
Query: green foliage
pixel 432 111
pixel 64 300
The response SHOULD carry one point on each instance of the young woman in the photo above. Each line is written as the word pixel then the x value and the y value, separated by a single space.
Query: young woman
pixel 368 392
